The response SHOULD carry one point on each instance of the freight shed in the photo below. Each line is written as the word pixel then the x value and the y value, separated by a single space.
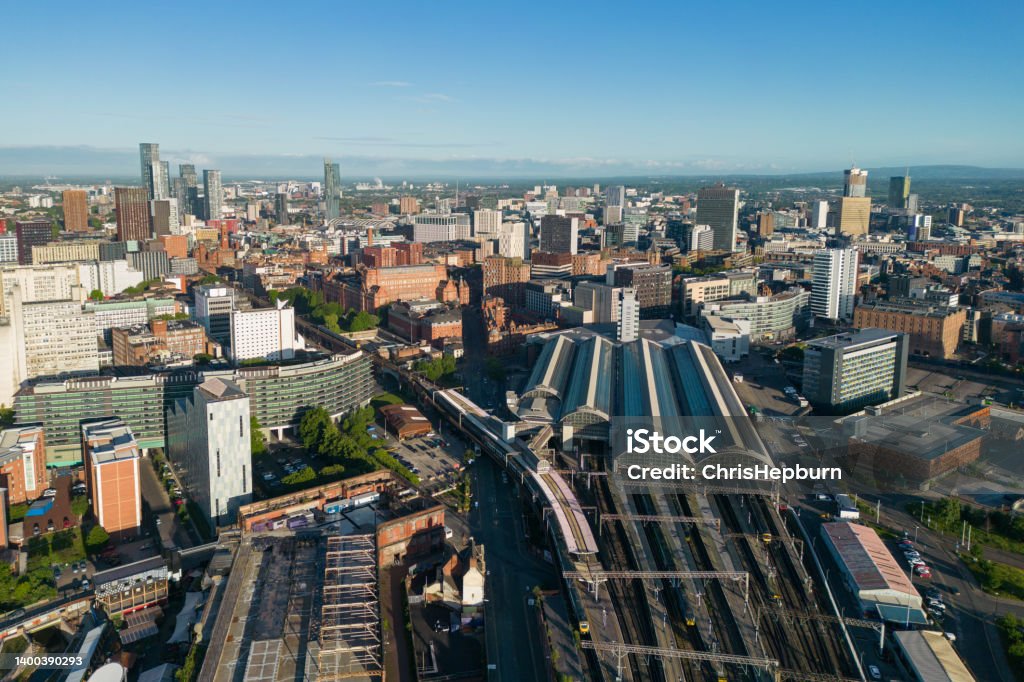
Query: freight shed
pixel 871 573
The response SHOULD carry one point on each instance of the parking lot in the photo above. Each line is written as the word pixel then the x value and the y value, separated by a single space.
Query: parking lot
pixel 280 460
pixel 436 459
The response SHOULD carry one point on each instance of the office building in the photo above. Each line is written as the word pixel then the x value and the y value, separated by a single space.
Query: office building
pixel 440 227
pixel 701 238
pixel 112 471
pixel 152 264
pixel 164 217
pixel 281 208
pixel 545 265
pixel 109 277
pixel 375 287
pixel 846 372
pixel 765 225
pixel 332 190
pixel 899 192
pixel 718 207
pixel 163 343
pixel 52 338
pixel 834 285
pixel 855 182
pixel 209 439
pixel 506 278
pixel 487 222
pixel 729 337
pixel 854 216
pixel 615 195
pixel 771 318
pixel 214 304
pixel 65 252
pixel 933 331
pixel 31 233
pixel 22 465
pixel 264 333
pixel 213 195
pixel 602 300
pixel 651 284
pixel 76 210
pixel 627 327
pixel 559 234
pixel 544 297
pixel 819 215
pixel 8 248
pixel 37 283
pixel 132 208
pixel 153 172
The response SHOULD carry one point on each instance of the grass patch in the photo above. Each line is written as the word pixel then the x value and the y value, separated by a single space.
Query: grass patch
pixel 55 549
pixel 996 578
pixel 386 398
pixel 16 512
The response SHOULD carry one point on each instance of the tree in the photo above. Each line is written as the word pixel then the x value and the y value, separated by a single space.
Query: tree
pixel 304 475
pixel 96 295
pixel 256 440
pixel 79 505
pixel 97 539
pixel 202 358
pixel 362 321
pixel 312 426
pixel 6 417
pixel 947 513
pixel 332 471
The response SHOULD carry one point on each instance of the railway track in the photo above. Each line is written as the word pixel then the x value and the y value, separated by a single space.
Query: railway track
pixel 629 597
pixel 799 645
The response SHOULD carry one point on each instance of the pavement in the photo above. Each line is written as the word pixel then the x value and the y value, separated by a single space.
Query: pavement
pixel 514 645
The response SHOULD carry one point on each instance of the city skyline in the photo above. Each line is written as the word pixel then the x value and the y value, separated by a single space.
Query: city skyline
pixel 660 92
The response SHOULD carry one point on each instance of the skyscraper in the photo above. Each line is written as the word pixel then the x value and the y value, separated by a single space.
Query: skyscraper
pixel 281 208
pixel 154 178
pixel 31 233
pixel 132 209
pixel 559 234
pixel 188 193
pixel 164 214
pixel 718 207
pixel 213 194
pixel 332 190
pixel 899 191
pixel 834 286
pixel 76 210
pixel 854 216
pixel 615 195
pixel 819 214
pixel 855 182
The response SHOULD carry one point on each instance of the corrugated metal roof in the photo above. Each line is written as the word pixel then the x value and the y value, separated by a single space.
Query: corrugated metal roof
pixel 868 561
pixel 932 656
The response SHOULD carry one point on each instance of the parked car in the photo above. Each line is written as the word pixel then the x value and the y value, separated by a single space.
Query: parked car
pixel 50 492
pixel 875 673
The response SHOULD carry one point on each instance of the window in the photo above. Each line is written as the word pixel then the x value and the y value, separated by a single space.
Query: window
pixel 245 484
pixel 241 431
pixel 218 462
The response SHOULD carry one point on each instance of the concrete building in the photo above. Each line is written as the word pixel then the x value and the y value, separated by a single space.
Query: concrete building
pixel 928 656
pixel 65 252
pixel 652 283
pixel 701 238
pixel 208 435
pixel 543 297
pixel 22 465
pixel 112 470
pixel 487 222
pixel 440 227
pixel 871 573
pixel 281 208
pixel 771 318
pixel 31 233
pixel 718 207
pixel 846 372
pixel 819 215
pixel 162 342
pixel 152 264
pixel 132 207
pixel 110 277
pixel 899 192
pixel 37 283
pixel 153 172
pixel 214 305
pixel 700 290
pixel 52 338
pixel 834 287
pixel 600 298
pixel 8 248
pixel 128 313
pixel 164 217
pixel 933 331
pixel 408 205
pixel 559 234
pixel 627 326
pixel 76 210
pixel 264 333
pixel 514 240
pixel 729 337
pixel 544 265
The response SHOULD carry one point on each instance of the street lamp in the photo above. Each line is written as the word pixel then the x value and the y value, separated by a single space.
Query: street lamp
pixel 915 533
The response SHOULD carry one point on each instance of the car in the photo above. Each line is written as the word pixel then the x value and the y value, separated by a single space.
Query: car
pixel 875 673
pixel 50 492
pixel 955 590
pixel 85 583
pixel 158 521
pixel 950 636
pixel 74 567
pixel 56 572
pixel 917 561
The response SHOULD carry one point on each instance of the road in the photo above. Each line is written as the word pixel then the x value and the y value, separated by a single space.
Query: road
pixel 514 643
pixel 158 504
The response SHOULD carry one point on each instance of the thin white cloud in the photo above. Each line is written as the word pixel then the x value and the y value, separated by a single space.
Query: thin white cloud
pixel 392 84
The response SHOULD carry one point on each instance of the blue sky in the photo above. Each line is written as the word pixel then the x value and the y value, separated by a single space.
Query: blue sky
pixel 664 86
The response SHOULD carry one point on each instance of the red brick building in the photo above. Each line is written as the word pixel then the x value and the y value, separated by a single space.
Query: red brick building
pixel 417 532
pixel 425 321
pixel 23 464
pixel 112 468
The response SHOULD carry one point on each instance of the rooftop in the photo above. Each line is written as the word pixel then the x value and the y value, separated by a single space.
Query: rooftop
pixel 868 561
pixel 852 340
pixel 932 656
pixel 109 440
pixel 15 442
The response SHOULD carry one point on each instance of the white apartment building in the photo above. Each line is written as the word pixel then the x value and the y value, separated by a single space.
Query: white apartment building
pixel 52 338
pixel 264 333
pixel 834 285
pixel 440 227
